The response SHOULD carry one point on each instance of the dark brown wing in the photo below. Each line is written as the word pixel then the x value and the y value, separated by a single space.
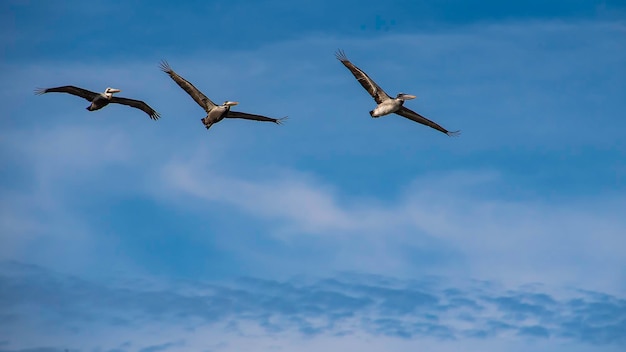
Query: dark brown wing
pixel 370 86
pixel 196 94
pixel 83 93
pixel 137 104
pixel 412 115
pixel 242 115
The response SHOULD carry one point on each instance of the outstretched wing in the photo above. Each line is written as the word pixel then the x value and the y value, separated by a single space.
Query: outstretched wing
pixel 242 115
pixel 412 115
pixel 83 93
pixel 370 86
pixel 196 94
pixel 137 104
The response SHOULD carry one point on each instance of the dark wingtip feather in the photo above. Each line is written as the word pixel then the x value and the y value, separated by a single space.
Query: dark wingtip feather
pixel 340 55
pixel 454 133
pixel 165 67
pixel 155 116
pixel 40 91
pixel 280 121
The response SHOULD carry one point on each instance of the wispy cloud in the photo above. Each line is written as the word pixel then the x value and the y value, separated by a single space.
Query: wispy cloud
pixel 494 236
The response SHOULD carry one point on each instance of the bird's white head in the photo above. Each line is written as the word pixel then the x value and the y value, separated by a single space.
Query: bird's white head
pixel 230 103
pixel 110 91
pixel 403 96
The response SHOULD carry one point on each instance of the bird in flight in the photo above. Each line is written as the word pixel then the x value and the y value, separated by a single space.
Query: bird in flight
pixel 387 104
pixel 100 100
pixel 215 113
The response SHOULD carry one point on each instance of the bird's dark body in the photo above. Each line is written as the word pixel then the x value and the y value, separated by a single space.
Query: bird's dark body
pixel 98 103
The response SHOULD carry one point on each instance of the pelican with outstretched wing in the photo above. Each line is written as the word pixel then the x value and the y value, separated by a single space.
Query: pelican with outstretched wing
pixel 387 104
pixel 215 113
pixel 100 100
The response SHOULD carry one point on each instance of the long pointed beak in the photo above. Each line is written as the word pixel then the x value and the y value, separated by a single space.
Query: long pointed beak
pixel 407 97
pixel 231 103
pixel 114 90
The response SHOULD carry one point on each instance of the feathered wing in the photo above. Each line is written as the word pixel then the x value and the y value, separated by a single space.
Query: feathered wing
pixel 370 86
pixel 137 104
pixel 412 115
pixel 242 115
pixel 83 93
pixel 194 92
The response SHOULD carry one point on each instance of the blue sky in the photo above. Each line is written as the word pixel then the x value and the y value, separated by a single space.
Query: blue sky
pixel 334 231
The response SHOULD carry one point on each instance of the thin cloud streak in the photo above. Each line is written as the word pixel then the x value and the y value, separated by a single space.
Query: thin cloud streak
pixel 485 230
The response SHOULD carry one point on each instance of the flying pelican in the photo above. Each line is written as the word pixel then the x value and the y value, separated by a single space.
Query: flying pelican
pixel 215 113
pixel 100 100
pixel 387 104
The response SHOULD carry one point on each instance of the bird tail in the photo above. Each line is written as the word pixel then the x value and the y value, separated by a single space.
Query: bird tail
pixel 204 122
